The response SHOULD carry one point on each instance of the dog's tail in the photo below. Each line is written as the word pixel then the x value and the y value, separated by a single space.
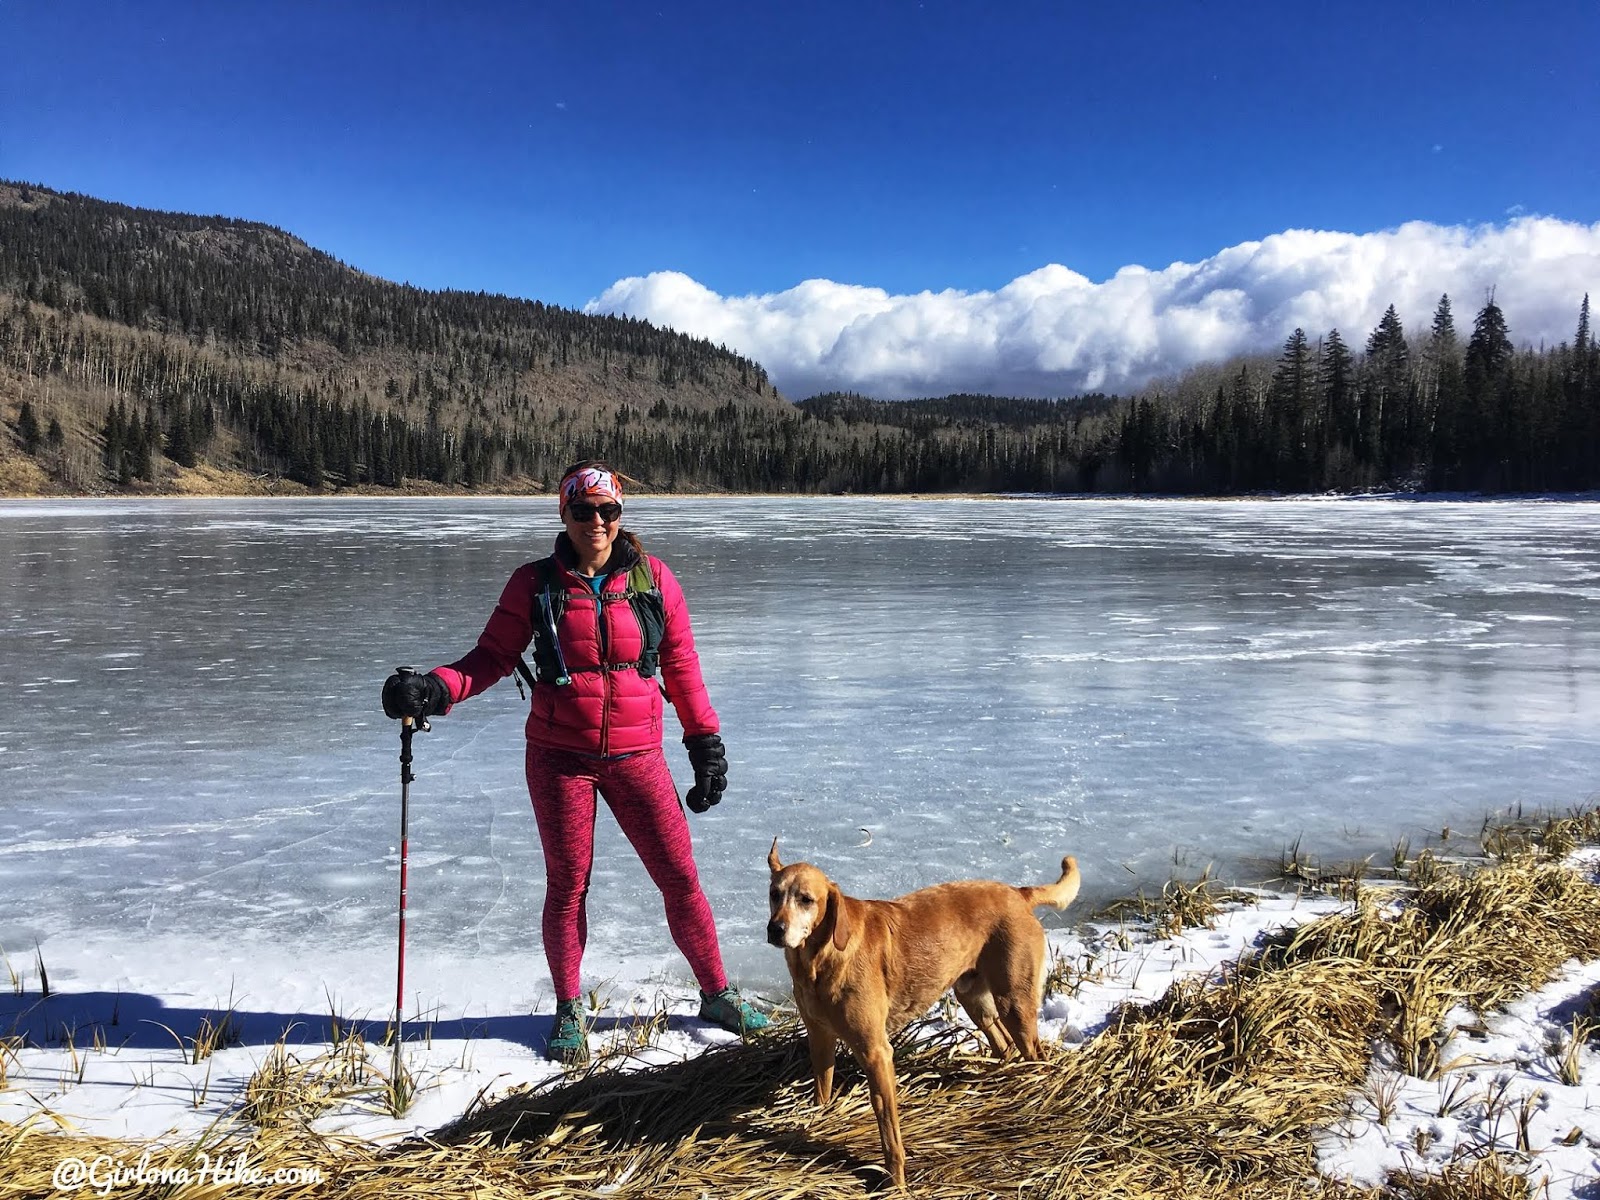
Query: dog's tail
pixel 1060 893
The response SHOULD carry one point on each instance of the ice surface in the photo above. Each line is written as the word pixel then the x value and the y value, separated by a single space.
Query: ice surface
pixel 910 691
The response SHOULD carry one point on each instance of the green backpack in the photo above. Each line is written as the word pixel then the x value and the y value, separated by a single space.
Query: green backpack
pixel 643 596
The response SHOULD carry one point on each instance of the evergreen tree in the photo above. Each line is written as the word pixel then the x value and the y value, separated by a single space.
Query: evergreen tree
pixel 315 475
pixel 1442 398
pixel 1575 422
pixel 180 436
pixel 1138 445
pixel 27 429
pixel 1489 349
pixel 1384 392
pixel 132 449
pixel 1442 335
pixel 378 469
pixel 1491 418
pixel 347 464
pixel 1585 405
pixel 1336 374
pixel 111 438
pixel 149 446
pixel 202 424
pixel 1387 344
pixel 1290 412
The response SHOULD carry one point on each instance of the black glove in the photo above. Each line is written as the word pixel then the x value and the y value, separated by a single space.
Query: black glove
pixel 407 694
pixel 710 763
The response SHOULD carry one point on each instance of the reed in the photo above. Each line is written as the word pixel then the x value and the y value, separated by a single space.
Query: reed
pixel 8 1052
pixel 1064 976
pixel 211 1035
pixel 288 1092
pixel 1382 1092
pixel 11 972
pixel 216 1032
pixel 1568 1050
pixel 1492 1176
pixel 398 1088
pixel 1182 905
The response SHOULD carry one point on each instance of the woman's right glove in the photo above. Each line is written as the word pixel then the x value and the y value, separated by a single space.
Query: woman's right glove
pixel 407 694
pixel 710 763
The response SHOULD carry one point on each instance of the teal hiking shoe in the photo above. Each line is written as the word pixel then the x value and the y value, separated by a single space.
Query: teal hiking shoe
pixel 728 1010
pixel 568 1044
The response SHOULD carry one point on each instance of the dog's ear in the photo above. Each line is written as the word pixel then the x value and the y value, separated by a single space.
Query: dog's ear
pixel 773 864
pixel 841 918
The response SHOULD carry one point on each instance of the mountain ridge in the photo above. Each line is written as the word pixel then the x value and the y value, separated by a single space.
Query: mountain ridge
pixel 535 383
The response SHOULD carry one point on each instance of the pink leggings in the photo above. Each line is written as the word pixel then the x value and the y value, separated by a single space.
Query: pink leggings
pixel 643 798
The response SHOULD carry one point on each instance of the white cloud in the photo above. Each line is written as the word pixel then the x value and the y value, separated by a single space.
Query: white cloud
pixel 1053 332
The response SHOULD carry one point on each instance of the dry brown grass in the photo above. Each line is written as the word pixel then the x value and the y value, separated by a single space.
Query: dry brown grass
pixel 1181 905
pixel 287 1092
pixel 1212 1092
pixel 21 476
pixel 1540 836
pixel 1491 1177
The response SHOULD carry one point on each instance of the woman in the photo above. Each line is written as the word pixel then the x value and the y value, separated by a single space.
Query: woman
pixel 604 618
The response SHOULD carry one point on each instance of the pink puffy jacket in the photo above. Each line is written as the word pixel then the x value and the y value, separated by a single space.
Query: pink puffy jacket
pixel 604 712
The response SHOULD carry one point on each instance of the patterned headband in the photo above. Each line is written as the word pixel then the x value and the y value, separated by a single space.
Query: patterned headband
pixel 593 484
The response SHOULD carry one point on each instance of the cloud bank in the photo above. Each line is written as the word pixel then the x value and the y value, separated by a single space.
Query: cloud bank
pixel 1053 332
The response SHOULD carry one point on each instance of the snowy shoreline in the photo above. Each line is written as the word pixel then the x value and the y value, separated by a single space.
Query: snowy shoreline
pixel 109 1053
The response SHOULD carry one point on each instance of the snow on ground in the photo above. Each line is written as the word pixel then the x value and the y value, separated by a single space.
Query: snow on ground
pixel 1514 1080
pixel 1505 1090
pixel 109 1051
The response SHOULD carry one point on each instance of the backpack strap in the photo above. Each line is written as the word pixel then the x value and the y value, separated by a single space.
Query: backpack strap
pixel 548 665
pixel 643 596
pixel 650 610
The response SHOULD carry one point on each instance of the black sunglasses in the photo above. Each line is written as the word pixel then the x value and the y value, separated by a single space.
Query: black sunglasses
pixel 585 512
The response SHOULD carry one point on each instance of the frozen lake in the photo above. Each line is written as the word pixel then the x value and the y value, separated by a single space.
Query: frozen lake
pixel 911 690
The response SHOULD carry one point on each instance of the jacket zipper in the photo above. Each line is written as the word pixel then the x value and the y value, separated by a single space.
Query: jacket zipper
pixel 605 675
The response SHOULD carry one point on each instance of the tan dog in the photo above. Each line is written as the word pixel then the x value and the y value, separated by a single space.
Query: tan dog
pixel 862 969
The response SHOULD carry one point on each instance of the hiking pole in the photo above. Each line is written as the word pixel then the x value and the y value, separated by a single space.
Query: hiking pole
pixel 408 726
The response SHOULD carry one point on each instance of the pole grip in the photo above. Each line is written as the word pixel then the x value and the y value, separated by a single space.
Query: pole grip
pixel 421 723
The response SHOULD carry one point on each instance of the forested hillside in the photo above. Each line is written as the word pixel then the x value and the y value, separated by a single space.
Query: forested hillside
pixel 135 337
pixel 148 351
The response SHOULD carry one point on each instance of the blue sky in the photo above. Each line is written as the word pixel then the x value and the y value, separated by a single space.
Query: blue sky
pixel 554 151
